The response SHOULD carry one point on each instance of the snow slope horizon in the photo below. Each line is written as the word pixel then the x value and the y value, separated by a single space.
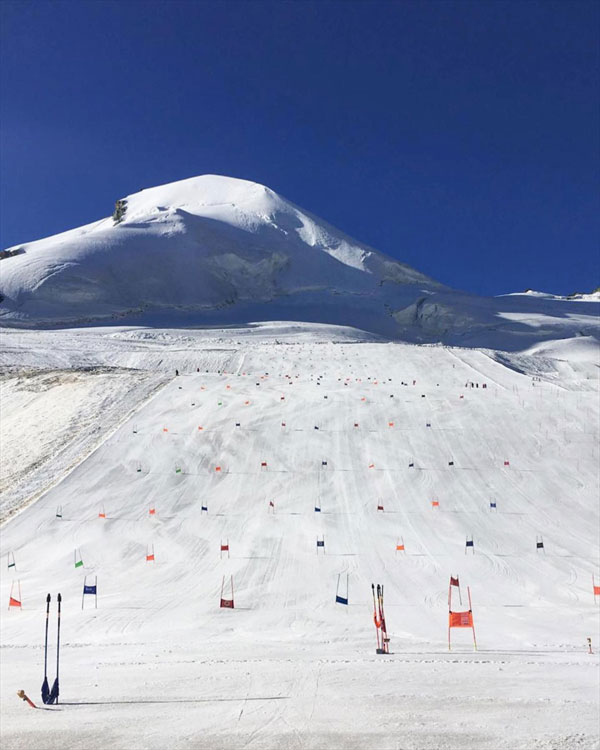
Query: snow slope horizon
pixel 213 250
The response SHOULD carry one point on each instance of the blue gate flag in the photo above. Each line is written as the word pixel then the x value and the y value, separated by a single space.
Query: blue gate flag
pixel 492 505
pixel 204 507
pixel 469 542
pixel 89 590
pixel 320 542
pixel 317 510
pixel 340 599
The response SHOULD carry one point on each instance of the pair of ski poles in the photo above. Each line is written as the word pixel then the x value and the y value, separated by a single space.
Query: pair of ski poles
pixel 50 696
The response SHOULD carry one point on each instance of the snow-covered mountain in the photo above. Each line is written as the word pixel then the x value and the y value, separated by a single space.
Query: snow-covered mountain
pixel 218 250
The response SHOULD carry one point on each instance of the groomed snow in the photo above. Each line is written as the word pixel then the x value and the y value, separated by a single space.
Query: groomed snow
pixel 159 664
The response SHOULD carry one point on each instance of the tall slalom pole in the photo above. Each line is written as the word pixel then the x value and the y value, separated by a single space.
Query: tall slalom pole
pixel 472 622
pixel 55 691
pixel 45 688
pixel 375 616
pixel 384 636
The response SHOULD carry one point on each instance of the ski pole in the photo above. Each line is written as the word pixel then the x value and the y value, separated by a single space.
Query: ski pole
pixel 45 688
pixel 55 690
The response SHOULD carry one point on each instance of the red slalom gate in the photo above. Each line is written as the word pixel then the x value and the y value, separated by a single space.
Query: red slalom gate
pixel 226 603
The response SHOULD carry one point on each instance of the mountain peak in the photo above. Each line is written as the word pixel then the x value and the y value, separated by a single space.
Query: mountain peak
pixel 201 245
pixel 234 201
pixel 204 191
pixel 215 250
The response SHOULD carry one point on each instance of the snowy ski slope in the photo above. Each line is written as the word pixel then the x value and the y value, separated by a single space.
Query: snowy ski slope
pixel 159 664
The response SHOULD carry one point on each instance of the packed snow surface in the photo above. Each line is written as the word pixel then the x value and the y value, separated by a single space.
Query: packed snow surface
pixel 214 250
pixel 337 417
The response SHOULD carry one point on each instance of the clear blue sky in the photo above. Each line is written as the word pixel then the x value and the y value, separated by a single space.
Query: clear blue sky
pixel 459 137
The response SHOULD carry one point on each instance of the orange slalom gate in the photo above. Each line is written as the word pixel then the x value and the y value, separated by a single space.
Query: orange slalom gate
pixel 12 600
pixel 462 620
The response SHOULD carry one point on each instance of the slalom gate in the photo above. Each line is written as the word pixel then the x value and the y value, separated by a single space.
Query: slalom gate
pixel 226 603
pixel 462 619
pixel 539 543
pixel 90 590
pixel 454 582
pixel 15 598
pixel 339 599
